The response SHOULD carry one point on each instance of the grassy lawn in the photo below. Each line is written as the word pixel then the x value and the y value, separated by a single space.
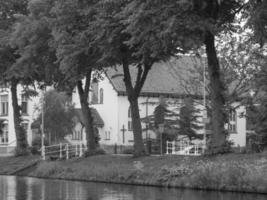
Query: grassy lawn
pixel 234 172
pixel 9 165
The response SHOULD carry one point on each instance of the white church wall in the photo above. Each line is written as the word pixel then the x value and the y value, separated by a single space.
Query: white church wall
pixel 108 111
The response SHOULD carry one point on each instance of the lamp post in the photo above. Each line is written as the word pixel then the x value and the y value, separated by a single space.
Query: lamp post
pixel 161 130
pixel 42 127
pixel 204 104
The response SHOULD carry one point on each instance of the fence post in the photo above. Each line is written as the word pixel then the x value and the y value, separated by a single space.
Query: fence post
pixel 81 149
pixel 85 147
pixel 173 147
pixel 67 151
pixel 43 152
pixel 60 150
pixel 76 150
pixel 167 147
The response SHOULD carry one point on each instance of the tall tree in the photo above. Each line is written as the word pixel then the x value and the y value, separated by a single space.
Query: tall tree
pixel 135 42
pixel 194 24
pixel 73 31
pixel 9 11
pixel 56 50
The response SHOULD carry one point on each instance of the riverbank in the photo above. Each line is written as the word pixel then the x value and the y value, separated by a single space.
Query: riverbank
pixel 232 172
pixel 13 165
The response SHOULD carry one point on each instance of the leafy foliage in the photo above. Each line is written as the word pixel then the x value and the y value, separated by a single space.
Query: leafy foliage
pixel 58 115
pixel 257 20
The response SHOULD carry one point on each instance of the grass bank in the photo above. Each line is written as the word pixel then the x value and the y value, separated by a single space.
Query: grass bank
pixel 12 165
pixel 233 172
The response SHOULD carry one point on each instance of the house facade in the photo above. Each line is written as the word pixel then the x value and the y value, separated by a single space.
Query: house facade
pixel 165 80
pixel 28 111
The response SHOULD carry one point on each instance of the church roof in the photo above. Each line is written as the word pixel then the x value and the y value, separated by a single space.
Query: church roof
pixel 170 78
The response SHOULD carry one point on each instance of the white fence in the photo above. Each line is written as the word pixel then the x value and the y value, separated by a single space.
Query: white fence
pixel 63 151
pixel 184 148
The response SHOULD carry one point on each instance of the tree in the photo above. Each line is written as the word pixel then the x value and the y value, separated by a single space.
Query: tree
pixel 54 47
pixel 125 40
pixel 58 115
pixel 8 56
pixel 188 120
pixel 257 20
pixel 194 24
pixel 73 30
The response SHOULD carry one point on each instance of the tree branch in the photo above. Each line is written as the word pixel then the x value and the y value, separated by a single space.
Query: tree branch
pixel 139 86
pixel 87 82
pixel 127 76
pixel 80 88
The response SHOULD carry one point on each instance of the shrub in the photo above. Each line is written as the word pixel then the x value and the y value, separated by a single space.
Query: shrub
pixel 128 151
pixel 20 152
pixel 225 148
pixel 98 151
pixel 36 145
pixel 37 141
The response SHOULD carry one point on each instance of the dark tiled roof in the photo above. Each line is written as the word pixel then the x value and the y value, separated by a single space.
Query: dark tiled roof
pixel 165 78
pixel 97 120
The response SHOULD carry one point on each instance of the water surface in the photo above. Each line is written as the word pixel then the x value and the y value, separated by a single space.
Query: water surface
pixel 24 188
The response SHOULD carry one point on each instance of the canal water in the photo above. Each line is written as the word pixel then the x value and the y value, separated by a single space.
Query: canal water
pixel 22 188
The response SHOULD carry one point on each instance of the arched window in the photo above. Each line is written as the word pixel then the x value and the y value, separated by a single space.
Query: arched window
pixel 24 104
pixel 130 123
pixel 232 121
pixel 101 98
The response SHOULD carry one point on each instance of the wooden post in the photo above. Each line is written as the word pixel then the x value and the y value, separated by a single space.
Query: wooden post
pixel 60 150
pixel 67 151
pixel 167 147
pixel 123 133
pixel 76 150
pixel 81 149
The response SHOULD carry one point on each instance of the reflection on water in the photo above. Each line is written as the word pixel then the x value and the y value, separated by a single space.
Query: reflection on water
pixel 22 188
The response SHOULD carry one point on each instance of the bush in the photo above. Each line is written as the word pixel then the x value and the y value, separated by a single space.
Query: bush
pixel 36 145
pixel 128 151
pixel 37 141
pixel 225 148
pixel 98 151
pixel 20 152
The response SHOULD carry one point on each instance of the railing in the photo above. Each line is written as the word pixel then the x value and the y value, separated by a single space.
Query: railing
pixel 63 151
pixel 183 148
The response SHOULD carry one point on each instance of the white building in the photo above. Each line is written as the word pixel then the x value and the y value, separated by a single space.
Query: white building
pixel 28 108
pixel 169 80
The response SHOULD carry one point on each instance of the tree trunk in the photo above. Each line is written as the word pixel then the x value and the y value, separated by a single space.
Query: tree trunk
pixel 133 93
pixel 21 135
pixel 139 148
pixel 218 137
pixel 89 128
pixel 87 115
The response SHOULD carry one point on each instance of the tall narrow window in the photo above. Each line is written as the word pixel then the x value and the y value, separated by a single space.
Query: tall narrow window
pixel 101 97
pixel 130 123
pixel 4 105
pixel 24 104
pixel 94 99
pixel 4 136
pixel 232 121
